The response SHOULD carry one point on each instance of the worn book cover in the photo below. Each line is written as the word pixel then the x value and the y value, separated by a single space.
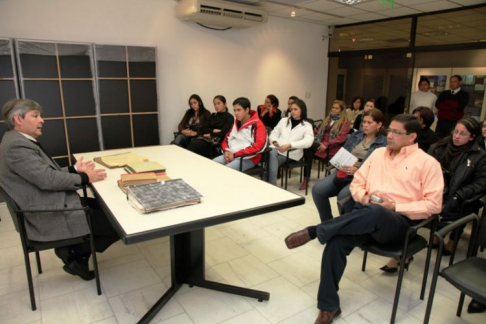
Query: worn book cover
pixel 162 195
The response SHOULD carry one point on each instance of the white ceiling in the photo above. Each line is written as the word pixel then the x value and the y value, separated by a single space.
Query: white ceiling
pixel 332 13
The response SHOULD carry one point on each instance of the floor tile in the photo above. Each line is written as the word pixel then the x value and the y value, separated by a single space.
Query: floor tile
pixel 285 300
pixel 269 249
pixel 251 316
pixel 15 279
pixel 246 271
pixel 206 306
pixel 16 308
pixel 309 316
pixel 379 312
pixel 298 268
pixel 244 233
pixel 178 319
pixel 83 306
pixel 132 306
pixel 56 282
pixel 223 250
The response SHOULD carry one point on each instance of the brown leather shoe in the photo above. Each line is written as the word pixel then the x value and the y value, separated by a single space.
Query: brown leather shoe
pixel 297 239
pixel 326 317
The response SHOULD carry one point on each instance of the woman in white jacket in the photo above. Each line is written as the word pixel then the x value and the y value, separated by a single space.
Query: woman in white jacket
pixel 291 133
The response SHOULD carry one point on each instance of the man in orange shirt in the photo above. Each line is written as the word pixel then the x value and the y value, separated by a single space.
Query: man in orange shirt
pixel 395 188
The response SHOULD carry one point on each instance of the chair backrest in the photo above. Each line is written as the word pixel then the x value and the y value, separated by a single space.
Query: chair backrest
pixel 12 207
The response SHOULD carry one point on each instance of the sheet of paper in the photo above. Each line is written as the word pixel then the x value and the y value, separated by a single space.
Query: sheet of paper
pixel 343 158
pixel 120 160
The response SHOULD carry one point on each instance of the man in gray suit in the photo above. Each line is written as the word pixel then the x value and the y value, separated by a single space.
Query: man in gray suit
pixel 35 181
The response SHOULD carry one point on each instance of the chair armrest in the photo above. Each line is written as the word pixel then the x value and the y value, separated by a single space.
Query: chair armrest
pixel 464 220
pixel 85 208
pixel 424 223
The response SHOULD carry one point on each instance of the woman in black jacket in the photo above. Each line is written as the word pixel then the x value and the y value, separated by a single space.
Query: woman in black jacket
pixel 192 121
pixel 427 137
pixel 214 130
pixel 464 168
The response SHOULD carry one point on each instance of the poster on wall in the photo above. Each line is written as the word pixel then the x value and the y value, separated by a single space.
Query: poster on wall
pixel 474 84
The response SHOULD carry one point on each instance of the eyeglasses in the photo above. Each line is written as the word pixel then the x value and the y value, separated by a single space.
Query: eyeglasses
pixel 395 131
pixel 460 133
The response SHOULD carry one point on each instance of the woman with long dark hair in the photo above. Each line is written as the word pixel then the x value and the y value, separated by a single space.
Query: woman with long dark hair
pixel 291 133
pixel 355 110
pixel 427 137
pixel 269 113
pixel 214 130
pixel 192 121
pixel 361 144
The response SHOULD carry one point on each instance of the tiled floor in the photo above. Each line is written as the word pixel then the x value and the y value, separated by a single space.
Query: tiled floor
pixel 247 253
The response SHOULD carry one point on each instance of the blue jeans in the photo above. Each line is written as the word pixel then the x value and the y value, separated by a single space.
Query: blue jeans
pixel 275 160
pixel 182 140
pixel 325 189
pixel 235 164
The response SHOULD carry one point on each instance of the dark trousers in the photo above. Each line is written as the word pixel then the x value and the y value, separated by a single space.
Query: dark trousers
pixel 103 232
pixel 444 128
pixel 342 234
pixel 201 147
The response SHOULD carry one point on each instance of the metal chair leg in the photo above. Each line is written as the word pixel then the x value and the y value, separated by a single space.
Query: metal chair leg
pixel 460 305
pixel 29 279
pixel 39 266
pixel 365 255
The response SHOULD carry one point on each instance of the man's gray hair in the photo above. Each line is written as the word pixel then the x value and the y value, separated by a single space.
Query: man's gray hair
pixel 18 107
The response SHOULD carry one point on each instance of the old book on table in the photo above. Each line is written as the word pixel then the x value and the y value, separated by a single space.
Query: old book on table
pixel 119 160
pixel 164 195
pixel 134 179
pixel 145 167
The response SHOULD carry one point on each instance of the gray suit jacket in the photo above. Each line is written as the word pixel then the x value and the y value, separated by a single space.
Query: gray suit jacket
pixel 36 182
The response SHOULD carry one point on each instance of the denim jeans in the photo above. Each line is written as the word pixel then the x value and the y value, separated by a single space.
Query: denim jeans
pixel 182 140
pixel 325 189
pixel 235 164
pixel 275 160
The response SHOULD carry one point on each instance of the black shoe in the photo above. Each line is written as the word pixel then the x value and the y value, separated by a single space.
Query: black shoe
pixel 76 268
pixel 63 254
pixel 446 252
pixel 476 307
pixel 394 269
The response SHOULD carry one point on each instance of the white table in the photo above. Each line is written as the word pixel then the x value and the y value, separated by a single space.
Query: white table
pixel 227 195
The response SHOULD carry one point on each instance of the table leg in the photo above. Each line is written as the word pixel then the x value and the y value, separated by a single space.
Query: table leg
pixel 187 267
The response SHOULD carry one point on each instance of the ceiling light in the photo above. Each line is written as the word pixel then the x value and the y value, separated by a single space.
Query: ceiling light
pixel 292 13
pixel 349 2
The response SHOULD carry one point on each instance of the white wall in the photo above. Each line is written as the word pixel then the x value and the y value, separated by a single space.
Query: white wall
pixel 282 57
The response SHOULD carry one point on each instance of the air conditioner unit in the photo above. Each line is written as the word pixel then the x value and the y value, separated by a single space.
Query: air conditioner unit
pixel 220 13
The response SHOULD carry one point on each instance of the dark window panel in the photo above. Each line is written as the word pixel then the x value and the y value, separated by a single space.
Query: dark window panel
pixel 47 94
pixel 7 92
pixel 146 130
pixel 116 132
pixel 144 95
pixel 78 98
pixel 75 66
pixel 6 70
pixel 112 69
pixel 53 138
pixel 2 130
pixel 63 162
pixel 38 66
pixel 83 135
pixel 142 69
pixel 113 96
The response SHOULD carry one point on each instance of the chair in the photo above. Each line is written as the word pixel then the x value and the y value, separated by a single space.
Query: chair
pixel 305 167
pixel 413 244
pixel 260 169
pixel 28 246
pixel 468 275
pixel 323 164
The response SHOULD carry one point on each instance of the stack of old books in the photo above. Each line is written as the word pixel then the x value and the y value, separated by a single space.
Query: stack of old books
pixel 163 195
pixel 119 160
pixel 134 179
pixel 139 167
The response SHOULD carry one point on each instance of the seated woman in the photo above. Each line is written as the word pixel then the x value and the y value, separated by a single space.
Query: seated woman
pixel 332 133
pixel 291 133
pixel 291 100
pixel 358 122
pixel 361 144
pixel 248 138
pixel 355 110
pixel 192 121
pixel 464 168
pixel 427 137
pixel 482 138
pixel 269 113
pixel 214 130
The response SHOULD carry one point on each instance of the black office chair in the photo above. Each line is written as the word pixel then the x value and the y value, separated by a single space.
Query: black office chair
pixel 468 275
pixel 260 169
pixel 34 246
pixel 305 169
pixel 413 244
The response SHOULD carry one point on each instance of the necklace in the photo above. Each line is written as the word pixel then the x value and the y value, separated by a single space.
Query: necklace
pixel 369 144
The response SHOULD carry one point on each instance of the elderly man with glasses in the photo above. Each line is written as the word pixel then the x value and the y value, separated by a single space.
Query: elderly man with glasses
pixel 395 188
